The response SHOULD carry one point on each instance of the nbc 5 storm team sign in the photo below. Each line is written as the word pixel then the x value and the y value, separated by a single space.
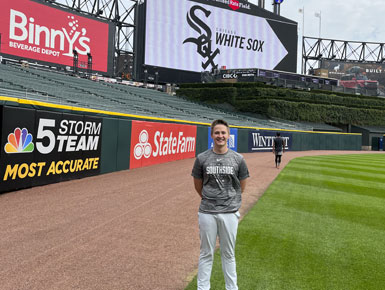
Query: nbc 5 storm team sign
pixel 39 147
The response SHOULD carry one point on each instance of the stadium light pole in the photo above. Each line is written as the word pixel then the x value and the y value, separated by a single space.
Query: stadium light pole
pixel 277 6
pixel 302 10
pixel 318 15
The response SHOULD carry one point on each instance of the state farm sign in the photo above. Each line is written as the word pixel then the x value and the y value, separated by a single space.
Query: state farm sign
pixel 153 143
pixel 36 31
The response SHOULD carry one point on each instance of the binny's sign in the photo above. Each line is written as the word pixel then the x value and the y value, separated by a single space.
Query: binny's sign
pixel 36 31
pixel 52 41
pixel 262 141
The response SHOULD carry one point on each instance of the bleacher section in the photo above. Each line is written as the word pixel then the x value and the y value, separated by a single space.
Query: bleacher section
pixel 55 87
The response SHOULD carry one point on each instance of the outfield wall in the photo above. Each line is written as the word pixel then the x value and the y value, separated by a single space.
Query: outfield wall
pixel 43 143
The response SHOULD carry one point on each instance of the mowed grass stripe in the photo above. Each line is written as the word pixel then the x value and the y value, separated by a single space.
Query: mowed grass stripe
pixel 337 167
pixel 333 204
pixel 339 184
pixel 312 230
pixel 372 168
pixel 344 173
pixel 351 165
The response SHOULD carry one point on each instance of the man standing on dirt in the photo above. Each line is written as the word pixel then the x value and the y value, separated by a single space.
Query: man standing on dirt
pixel 219 178
pixel 278 149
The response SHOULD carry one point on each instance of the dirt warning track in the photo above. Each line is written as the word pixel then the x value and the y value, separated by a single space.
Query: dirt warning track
pixel 132 229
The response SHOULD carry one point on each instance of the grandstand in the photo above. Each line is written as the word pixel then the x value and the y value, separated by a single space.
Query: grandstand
pixel 60 88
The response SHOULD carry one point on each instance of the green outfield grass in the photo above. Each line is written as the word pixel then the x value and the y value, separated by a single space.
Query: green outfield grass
pixel 320 225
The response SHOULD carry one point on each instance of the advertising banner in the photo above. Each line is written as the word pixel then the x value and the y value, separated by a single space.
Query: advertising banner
pixel 232 143
pixel 32 30
pixel 154 143
pixel 262 141
pixel 40 147
pixel 357 75
pixel 206 37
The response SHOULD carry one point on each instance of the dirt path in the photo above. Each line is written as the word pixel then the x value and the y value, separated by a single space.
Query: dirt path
pixel 126 230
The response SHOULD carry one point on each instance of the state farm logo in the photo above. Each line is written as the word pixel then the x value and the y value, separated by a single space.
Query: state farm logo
pixel 25 28
pixel 163 144
pixel 143 148
pixel 234 4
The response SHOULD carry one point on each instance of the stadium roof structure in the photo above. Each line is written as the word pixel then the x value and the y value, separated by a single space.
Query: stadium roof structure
pixel 121 13
pixel 314 50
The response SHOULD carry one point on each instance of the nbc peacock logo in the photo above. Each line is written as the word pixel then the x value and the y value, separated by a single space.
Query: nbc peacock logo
pixel 20 141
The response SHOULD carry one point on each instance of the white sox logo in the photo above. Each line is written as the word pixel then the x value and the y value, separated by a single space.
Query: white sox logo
pixel 143 148
pixel 203 42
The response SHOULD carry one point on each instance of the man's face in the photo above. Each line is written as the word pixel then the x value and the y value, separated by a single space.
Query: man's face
pixel 220 135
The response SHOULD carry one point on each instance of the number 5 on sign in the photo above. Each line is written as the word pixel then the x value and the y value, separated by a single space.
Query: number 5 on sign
pixel 43 133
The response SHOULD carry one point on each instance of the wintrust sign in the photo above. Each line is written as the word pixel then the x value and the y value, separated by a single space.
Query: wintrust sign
pixel 36 31
pixel 153 143
pixel 262 141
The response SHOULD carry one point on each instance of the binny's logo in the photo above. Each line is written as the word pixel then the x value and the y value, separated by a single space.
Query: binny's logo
pixel 163 145
pixel 24 28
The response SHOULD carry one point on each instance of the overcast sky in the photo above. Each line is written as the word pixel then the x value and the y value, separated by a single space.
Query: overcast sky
pixel 358 20
pixel 354 20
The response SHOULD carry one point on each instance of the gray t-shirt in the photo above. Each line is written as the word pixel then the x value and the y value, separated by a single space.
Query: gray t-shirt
pixel 221 175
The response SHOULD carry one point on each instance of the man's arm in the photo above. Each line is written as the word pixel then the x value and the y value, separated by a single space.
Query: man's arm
pixel 243 185
pixel 198 184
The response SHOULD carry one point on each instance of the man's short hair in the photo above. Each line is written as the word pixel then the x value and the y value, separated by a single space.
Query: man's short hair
pixel 219 122
pixel 278 134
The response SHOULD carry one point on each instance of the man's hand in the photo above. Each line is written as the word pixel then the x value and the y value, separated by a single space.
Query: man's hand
pixel 243 185
pixel 198 185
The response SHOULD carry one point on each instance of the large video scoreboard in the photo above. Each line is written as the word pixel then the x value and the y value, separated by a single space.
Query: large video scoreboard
pixel 35 31
pixel 181 38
